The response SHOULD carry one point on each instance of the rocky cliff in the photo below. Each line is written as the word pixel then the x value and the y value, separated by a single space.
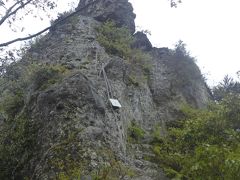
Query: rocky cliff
pixel 61 124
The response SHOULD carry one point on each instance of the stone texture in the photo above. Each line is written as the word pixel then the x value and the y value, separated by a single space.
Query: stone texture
pixel 119 11
pixel 142 42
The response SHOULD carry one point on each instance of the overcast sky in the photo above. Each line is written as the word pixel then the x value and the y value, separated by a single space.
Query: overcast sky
pixel 210 28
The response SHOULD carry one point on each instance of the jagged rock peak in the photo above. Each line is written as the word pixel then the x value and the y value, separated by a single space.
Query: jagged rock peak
pixel 120 11
pixel 142 42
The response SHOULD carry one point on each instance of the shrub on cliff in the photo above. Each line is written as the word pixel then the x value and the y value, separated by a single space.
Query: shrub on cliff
pixel 204 145
pixel 135 133
pixel 224 88
pixel 116 40
pixel 18 130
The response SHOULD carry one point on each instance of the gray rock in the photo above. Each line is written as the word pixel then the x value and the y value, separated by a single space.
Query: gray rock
pixel 119 11
pixel 92 133
pixel 142 42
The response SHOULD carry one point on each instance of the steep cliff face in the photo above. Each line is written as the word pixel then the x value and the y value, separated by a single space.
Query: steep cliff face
pixel 76 131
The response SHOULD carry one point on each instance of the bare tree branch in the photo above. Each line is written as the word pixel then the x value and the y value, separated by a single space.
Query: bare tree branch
pixel 4 18
pixel 10 12
pixel 26 38
pixel 48 28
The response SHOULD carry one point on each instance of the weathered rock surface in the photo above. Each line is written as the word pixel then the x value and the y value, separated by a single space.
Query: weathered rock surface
pixel 78 106
pixel 119 11
pixel 142 42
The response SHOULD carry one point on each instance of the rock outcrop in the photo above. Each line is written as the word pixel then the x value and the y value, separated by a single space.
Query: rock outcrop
pixel 76 128
pixel 142 42
pixel 119 11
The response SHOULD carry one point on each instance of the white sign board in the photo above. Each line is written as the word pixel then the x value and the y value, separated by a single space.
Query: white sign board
pixel 115 103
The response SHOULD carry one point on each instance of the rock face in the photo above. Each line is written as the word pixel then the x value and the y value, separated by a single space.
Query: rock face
pixel 76 123
pixel 119 11
pixel 142 42
pixel 177 78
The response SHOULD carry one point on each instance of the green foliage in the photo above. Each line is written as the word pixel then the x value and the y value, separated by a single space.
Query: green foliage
pixel 180 49
pixel 112 169
pixel 70 165
pixel 45 76
pixel 116 40
pixel 156 134
pixel 224 88
pixel 19 77
pixel 65 157
pixel 73 174
pixel 17 146
pixel 116 170
pixel 18 131
pixel 141 59
pixel 11 103
pixel 17 80
pixel 204 145
pixel 135 133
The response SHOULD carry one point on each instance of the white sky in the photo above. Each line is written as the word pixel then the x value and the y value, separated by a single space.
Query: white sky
pixel 210 28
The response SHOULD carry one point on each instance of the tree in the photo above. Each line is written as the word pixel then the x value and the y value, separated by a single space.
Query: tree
pixel 227 87
pixel 204 144
pixel 13 11
pixel 174 3
pixel 16 10
pixel 180 49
